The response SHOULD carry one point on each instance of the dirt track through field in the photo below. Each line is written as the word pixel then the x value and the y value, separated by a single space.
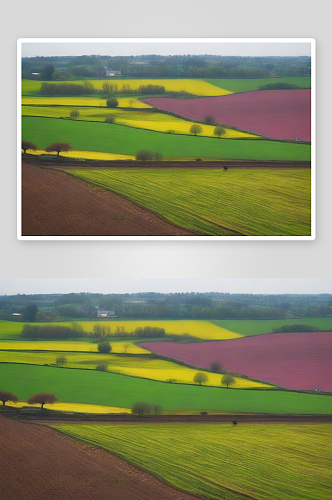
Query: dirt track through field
pixel 56 204
pixel 38 463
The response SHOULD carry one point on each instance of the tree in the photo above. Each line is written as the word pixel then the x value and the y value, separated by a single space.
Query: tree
pixel 29 313
pixel 104 347
pixel 28 145
pixel 74 114
pixel 219 131
pixel 58 147
pixel 209 119
pixel 61 360
pixel 195 129
pixel 201 378
pixel 42 399
pixel 7 396
pixel 126 347
pixel 102 366
pixel 47 72
pixel 144 155
pixel 227 380
pixel 216 366
pixel 157 409
pixel 112 102
pixel 141 408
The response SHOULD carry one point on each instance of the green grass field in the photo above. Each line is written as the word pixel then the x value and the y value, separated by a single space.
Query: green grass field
pixel 238 85
pixel 258 327
pixel 93 387
pixel 217 203
pixel 120 139
pixel 275 462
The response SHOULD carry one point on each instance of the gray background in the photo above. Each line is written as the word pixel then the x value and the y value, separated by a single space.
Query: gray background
pixel 171 18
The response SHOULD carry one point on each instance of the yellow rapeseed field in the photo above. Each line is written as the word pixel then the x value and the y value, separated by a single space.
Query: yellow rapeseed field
pixel 196 328
pixel 67 345
pixel 124 102
pixel 87 155
pixel 154 369
pixel 75 407
pixel 195 87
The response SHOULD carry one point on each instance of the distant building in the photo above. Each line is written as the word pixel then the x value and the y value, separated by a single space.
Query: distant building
pixel 104 314
pixel 297 139
pixel 317 389
pixel 112 72
pixel 16 314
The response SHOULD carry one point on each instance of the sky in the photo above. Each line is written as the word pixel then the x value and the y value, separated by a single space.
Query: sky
pixel 157 46
pixel 12 286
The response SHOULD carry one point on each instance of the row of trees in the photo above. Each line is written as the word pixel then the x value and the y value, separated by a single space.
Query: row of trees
pixel 41 398
pixel 56 147
pixel 202 378
pixel 102 331
pixel 52 331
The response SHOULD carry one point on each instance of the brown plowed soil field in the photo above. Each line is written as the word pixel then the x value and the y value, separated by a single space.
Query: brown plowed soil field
pixel 38 463
pixel 57 204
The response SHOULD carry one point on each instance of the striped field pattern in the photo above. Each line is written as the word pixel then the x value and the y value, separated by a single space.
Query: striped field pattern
pixel 217 203
pixel 275 462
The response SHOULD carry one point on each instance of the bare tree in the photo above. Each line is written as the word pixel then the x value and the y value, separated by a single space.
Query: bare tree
pixel 58 147
pixel 216 366
pixel 42 399
pixel 201 378
pixel 28 145
pixel 195 129
pixel 209 119
pixel 227 380
pixel 7 396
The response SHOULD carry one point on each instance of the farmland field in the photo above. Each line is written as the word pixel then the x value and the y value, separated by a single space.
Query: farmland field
pixel 197 328
pixel 216 203
pixel 195 87
pixel 110 138
pixel 73 407
pixel 68 346
pixel 277 462
pixel 261 326
pixel 124 102
pixel 53 466
pixel 298 361
pixel 111 389
pixel 246 85
pixel 55 205
pixel 147 368
pixel 277 114
pixel 149 120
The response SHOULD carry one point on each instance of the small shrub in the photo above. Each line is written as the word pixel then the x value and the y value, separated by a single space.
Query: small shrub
pixel 104 347
pixel 141 408
pixel 102 366
pixel 112 102
pixel 109 119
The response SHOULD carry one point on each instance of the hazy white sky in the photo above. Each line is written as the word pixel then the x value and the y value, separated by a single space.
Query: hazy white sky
pixel 49 48
pixel 246 285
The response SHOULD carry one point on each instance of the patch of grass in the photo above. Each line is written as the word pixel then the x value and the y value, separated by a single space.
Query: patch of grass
pixel 102 388
pixel 216 203
pixel 246 85
pixel 258 327
pixel 109 138
pixel 277 462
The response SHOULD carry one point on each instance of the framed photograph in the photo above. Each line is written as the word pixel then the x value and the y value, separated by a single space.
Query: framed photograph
pixel 170 139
